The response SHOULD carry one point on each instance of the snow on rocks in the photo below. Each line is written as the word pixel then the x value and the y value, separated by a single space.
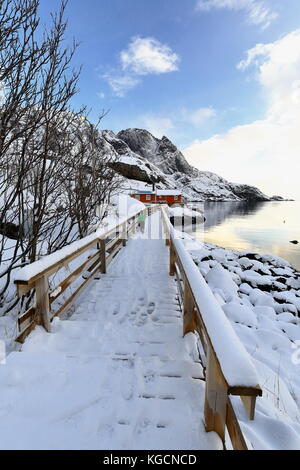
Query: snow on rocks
pixel 236 364
pixel 258 298
pixel 240 314
pixel 280 308
pixel 288 297
pixel 219 278
pixel 264 310
pixel 294 283
pixel 185 212
pixel 254 265
pixel 286 316
pixel 245 288
pixel 274 260
pixel 287 271
pixel 255 279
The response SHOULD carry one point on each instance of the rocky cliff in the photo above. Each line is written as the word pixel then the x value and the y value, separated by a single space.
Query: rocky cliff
pixel 145 158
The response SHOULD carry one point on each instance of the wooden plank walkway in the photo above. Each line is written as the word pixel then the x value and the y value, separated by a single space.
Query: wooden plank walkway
pixel 118 374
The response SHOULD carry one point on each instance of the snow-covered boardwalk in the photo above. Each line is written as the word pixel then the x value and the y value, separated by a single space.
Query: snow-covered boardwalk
pixel 117 374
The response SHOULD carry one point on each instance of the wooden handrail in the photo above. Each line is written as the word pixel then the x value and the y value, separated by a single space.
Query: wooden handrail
pixel 229 369
pixel 105 243
pixel 201 313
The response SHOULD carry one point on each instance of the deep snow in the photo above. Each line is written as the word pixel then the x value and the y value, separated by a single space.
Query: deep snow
pixel 117 374
pixel 260 296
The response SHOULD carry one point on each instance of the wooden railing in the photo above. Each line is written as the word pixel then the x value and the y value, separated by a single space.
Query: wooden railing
pixel 100 248
pixel 228 367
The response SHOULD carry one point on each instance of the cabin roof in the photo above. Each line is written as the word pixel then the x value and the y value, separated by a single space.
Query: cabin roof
pixel 138 191
pixel 160 192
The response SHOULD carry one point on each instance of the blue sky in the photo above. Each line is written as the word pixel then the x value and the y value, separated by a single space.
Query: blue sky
pixel 171 66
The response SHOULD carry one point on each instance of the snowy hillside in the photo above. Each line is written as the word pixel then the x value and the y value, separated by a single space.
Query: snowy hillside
pixel 168 167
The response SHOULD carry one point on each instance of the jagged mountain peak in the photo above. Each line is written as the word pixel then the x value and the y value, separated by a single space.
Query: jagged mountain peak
pixel 161 161
pixel 162 152
pixel 140 141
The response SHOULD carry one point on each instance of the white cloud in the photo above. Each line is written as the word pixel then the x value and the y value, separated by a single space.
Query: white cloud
pixel 160 125
pixel 120 84
pixel 199 116
pixel 278 66
pixel 258 12
pixel 264 152
pixel 146 56
pixel 101 95
pixel 143 56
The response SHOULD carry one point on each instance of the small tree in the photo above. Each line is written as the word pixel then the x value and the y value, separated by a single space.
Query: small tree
pixel 53 170
pixel 92 180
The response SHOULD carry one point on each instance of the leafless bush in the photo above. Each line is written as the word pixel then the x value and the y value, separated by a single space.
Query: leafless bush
pixel 53 168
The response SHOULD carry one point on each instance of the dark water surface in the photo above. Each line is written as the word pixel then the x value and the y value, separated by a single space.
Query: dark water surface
pixel 262 227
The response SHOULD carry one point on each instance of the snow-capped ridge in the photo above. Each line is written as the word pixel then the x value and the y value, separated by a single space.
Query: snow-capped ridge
pixel 166 158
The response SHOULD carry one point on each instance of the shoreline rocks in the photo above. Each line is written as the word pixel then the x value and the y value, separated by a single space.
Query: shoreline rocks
pixel 260 295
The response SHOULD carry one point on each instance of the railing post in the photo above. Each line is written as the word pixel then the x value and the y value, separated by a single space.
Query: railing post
pixel 166 230
pixel 249 405
pixel 189 324
pixel 215 407
pixel 124 234
pixel 234 430
pixel 103 256
pixel 172 260
pixel 42 302
pixel 135 222
pixel 167 238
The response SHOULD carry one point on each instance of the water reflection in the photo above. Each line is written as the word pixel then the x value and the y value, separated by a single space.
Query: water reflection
pixel 216 212
pixel 263 227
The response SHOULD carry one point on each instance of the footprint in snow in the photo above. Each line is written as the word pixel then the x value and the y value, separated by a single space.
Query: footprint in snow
pixel 151 307
pixel 149 378
pixel 154 318
pixel 116 309
pixel 141 321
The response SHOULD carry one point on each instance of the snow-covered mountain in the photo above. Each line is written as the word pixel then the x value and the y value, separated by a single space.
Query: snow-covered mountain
pixel 144 158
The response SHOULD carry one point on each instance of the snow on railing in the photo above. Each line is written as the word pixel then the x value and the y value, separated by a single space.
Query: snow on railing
pixel 229 368
pixel 102 245
pixel 31 271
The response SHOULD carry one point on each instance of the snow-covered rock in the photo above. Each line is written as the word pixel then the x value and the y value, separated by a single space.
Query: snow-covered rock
pixel 219 278
pixel 240 314
pixel 167 166
pixel 264 311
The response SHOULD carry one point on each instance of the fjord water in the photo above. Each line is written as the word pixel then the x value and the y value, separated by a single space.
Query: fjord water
pixel 262 227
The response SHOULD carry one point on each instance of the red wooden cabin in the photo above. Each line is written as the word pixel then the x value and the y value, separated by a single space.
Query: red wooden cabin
pixel 159 196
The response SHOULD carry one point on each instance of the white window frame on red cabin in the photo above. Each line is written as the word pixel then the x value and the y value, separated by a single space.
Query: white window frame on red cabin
pixel 175 198
pixel 148 197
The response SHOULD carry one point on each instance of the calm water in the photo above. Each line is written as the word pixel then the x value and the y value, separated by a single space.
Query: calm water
pixel 262 227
